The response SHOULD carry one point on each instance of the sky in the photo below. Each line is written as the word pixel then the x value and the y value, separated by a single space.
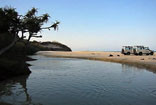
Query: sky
pixel 96 25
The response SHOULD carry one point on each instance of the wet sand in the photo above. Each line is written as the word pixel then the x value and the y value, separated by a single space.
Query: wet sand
pixel 145 61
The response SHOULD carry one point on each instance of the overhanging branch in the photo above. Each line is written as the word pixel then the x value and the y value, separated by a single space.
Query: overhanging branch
pixel 37 36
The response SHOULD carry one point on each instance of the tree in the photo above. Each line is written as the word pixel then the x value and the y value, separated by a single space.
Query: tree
pixel 33 24
pixel 9 20
pixel 12 22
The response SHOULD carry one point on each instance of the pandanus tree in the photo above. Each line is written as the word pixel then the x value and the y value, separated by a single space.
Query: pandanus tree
pixel 33 24
pixel 12 22
pixel 9 21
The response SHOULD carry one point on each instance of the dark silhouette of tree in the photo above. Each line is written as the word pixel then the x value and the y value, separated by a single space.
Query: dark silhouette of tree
pixel 33 24
pixel 9 20
pixel 12 22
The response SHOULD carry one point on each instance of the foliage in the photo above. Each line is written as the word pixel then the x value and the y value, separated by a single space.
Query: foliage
pixel 12 22
pixel 9 20
pixel 5 40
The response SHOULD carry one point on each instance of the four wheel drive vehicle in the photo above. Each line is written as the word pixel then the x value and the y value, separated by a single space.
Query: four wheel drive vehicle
pixel 136 50
pixel 139 50
pixel 127 50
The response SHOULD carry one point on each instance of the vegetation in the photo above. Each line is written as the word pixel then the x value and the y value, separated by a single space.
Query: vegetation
pixel 15 33
pixel 13 29
pixel 13 23
pixel 5 39
pixel 57 46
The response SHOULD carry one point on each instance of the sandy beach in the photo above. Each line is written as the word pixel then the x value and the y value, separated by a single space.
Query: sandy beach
pixel 145 61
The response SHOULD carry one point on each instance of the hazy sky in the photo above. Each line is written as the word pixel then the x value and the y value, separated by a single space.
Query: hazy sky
pixel 102 25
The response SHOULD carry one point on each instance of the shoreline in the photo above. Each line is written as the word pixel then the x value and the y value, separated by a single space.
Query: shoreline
pixel 145 61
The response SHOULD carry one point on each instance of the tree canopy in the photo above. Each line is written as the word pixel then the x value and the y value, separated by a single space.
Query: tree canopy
pixel 12 22
pixel 8 20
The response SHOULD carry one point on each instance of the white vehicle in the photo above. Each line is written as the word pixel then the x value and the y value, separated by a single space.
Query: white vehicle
pixel 136 50
pixel 139 50
pixel 127 50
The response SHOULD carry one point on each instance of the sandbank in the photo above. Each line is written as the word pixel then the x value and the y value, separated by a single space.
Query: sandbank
pixel 145 61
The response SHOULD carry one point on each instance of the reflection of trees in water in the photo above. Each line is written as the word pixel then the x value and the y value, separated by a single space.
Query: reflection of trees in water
pixel 6 90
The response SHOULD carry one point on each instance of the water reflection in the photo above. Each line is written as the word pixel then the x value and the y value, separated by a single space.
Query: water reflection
pixel 128 67
pixel 136 67
pixel 9 94
pixel 60 81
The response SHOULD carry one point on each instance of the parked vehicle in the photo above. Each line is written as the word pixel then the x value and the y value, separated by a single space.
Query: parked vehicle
pixel 127 50
pixel 139 50
pixel 136 50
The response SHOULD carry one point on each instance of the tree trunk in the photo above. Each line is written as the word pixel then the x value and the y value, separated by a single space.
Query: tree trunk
pixel 30 35
pixel 22 37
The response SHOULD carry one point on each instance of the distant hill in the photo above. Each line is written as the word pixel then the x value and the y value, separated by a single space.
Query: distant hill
pixel 53 46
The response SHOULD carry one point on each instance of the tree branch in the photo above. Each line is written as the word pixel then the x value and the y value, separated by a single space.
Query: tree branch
pixel 37 36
